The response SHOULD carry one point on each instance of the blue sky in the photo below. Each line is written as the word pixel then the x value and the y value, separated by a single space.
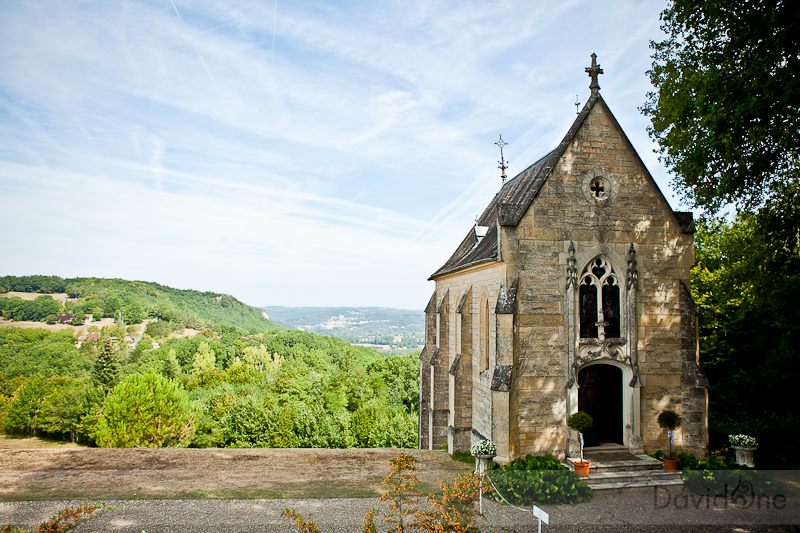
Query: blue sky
pixel 289 153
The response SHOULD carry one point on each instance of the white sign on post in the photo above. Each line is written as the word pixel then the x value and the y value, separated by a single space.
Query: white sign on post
pixel 541 516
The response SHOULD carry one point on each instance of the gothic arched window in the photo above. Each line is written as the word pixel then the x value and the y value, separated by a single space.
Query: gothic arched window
pixel 483 362
pixel 599 301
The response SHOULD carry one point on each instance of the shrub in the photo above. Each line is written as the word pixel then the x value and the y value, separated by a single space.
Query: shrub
pixel 78 318
pixel 535 480
pixel 717 477
pixel 241 374
pixel 251 423
pixel 67 519
pixel 146 411
pixel 452 511
pixel 365 423
pixel 375 426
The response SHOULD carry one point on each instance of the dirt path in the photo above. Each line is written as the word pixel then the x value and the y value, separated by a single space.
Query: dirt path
pixel 110 473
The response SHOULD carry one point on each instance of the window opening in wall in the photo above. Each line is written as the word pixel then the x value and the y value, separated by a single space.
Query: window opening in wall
pixel 484 362
pixel 599 319
pixel 599 188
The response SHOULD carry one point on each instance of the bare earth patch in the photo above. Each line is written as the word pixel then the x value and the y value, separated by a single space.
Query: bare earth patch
pixel 8 442
pixel 115 473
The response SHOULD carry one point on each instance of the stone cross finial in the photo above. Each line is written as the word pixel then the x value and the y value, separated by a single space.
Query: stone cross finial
pixel 593 72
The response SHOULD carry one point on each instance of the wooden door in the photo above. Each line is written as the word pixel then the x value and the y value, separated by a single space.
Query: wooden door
pixel 600 395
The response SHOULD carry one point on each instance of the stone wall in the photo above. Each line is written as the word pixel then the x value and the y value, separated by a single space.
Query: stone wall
pixel 462 331
pixel 633 211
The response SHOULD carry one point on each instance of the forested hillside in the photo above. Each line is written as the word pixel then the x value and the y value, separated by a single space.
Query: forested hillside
pixel 241 382
pixel 134 301
pixel 224 388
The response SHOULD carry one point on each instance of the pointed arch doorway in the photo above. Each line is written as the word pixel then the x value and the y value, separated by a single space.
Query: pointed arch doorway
pixel 600 395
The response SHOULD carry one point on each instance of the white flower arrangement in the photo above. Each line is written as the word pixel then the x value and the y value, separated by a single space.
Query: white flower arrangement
pixel 484 447
pixel 743 441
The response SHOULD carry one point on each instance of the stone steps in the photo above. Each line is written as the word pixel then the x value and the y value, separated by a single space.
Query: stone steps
pixel 607 447
pixel 642 472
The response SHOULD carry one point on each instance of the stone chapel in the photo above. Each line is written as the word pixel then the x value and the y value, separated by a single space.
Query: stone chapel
pixel 571 292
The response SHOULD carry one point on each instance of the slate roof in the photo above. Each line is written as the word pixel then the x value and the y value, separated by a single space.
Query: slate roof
pixel 509 204
pixel 512 201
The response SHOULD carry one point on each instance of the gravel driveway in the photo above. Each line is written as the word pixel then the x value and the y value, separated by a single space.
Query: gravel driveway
pixel 632 510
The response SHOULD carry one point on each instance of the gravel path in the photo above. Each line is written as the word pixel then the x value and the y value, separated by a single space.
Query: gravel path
pixel 633 510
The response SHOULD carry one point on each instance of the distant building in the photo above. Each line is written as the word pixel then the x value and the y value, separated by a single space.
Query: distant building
pixel 570 293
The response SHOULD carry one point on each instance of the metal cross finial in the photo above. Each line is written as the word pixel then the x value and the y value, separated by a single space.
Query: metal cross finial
pixel 501 143
pixel 577 104
pixel 593 72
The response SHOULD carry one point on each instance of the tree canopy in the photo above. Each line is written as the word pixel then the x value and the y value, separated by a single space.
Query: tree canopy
pixel 726 110
pixel 289 388
pixel 746 282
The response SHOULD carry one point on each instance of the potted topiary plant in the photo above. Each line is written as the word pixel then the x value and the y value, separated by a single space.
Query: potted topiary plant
pixel 580 422
pixel 670 420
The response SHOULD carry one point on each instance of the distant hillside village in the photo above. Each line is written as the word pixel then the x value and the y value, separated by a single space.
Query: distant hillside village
pixel 391 330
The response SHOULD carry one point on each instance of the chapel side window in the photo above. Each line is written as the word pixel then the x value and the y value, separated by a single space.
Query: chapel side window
pixel 589 317
pixel 599 317
pixel 611 307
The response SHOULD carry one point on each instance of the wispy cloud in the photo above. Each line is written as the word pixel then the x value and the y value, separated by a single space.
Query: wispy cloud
pixel 340 163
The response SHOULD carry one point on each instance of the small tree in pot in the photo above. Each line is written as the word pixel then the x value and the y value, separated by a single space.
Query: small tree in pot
pixel 669 420
pixel 580 422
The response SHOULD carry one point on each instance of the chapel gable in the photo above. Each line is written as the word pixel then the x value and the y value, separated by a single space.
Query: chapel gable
pixel 572 289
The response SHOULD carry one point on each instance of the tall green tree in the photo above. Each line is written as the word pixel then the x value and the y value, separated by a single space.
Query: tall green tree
pixel 171 368
pixel 146 411
pixel 204 359
pixel 746 283
pixel 106 371
pixel 63 409
pixel 24 410
pixel 726 109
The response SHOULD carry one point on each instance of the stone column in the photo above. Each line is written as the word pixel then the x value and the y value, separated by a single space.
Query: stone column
pixel 502 375
pixel 570 389
pixel 633 424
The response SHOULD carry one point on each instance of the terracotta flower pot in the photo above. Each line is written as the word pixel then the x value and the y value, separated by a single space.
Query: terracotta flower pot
pixel 672 464
pixel 581 468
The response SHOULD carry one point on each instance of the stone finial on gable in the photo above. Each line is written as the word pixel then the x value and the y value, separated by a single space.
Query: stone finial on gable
pixel 593 72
